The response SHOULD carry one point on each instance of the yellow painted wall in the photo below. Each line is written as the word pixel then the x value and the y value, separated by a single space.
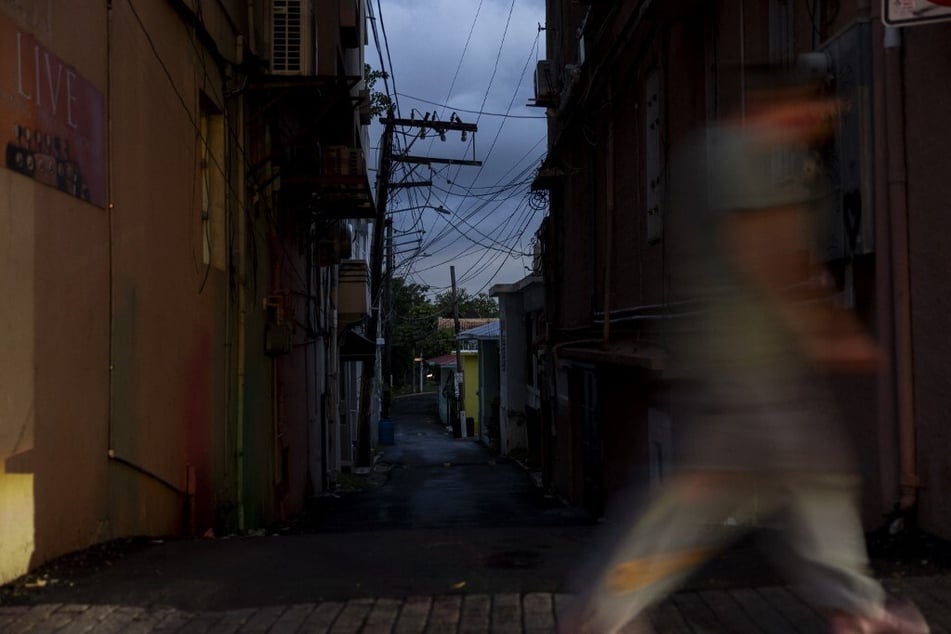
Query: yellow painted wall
pixel 470 368
pixel 16 524
pixel 16 393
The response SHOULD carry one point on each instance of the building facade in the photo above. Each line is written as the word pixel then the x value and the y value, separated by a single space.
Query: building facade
pixel 623 84
pixel 185 209
pixel 520 405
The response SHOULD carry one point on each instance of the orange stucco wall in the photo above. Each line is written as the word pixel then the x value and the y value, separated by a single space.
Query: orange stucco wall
pixel 114 325
pixel 54 352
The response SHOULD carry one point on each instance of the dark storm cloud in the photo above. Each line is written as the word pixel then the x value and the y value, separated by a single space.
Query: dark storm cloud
pixel 426 42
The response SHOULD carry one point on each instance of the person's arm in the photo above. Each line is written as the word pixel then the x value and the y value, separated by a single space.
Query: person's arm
pixel 769 247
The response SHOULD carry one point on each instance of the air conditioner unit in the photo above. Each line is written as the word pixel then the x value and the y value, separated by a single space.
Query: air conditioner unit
pixel 340 160
pixel 544 83
pixel 353 291
pixel 292 49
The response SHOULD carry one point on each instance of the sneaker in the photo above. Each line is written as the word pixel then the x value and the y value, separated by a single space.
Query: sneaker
pixel 899 617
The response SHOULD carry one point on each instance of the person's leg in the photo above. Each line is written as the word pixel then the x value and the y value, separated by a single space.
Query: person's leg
pixel 830 558
pixel 679 531
pixel 827 542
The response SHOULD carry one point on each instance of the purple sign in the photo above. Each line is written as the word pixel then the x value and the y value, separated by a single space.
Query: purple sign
pixel 52 117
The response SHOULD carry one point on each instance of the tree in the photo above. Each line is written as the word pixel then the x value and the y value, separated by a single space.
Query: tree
pixel 380 102
pixel 414 329
pixel 415 322
pixel 470 306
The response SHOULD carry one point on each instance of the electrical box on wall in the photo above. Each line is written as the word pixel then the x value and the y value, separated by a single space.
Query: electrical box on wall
pixel 277 333
pixel 654 190
pixel 277 340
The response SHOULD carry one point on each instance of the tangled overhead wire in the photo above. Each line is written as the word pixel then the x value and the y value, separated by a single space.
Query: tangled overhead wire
pixel 538 200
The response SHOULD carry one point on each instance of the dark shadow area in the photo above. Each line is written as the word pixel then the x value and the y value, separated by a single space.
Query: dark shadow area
pixel 437 516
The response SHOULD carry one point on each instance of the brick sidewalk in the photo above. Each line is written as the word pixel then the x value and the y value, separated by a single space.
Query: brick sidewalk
pixel 771 610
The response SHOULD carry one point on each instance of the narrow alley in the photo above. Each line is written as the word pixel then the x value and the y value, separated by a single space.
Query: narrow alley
pixel 445 537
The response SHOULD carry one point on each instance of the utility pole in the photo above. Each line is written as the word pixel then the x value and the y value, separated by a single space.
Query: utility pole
pixel 376 278
pixel 383 186
pixel 460 382
pixel 388 323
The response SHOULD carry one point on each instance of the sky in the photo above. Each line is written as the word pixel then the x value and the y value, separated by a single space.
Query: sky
pixel 477 59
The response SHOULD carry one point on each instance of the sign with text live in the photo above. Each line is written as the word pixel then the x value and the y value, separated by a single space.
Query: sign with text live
pixel 52 119
pixel 911 12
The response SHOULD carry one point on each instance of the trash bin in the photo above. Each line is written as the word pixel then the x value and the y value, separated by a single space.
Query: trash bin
pixel 387 434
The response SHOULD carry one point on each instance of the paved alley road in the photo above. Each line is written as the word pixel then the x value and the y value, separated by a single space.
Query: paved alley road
pixel 447 538
pixel 428 479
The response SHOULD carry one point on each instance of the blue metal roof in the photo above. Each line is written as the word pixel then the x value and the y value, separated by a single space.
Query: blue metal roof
pixel 490 330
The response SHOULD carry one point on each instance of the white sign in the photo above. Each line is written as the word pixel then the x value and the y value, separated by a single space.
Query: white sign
pixel 912 12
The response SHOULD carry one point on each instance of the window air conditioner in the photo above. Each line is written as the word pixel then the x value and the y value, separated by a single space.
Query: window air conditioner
pixel 340 160
pixel 291 38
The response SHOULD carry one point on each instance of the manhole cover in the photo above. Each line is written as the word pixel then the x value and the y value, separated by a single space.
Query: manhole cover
pixel 512 559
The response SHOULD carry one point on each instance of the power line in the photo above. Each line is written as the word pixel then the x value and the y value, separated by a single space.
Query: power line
pixel 386 44
pixel 465 48
pixel 481 113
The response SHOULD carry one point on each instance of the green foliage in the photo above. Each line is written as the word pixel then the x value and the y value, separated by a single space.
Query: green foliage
pixel 415 319
pixel 379 102
pixel 470 306
pixel 414 331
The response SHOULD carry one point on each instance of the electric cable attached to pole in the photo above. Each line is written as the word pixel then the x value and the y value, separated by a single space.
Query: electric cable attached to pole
pixel 460 376
pixel 364 454
pixel 383 185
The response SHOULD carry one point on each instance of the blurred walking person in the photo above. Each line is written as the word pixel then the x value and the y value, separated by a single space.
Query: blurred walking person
pixel 749 377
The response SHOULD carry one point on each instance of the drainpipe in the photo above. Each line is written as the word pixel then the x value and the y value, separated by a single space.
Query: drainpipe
pixel 742 62
pixel 110 204
pixel 609 226
pixel 901 283
pixel 241 328
pixel 277 389
pixel 252 39
pixel 333 369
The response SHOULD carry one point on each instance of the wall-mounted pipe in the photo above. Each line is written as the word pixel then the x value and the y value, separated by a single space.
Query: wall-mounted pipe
pixel 241 328
pixel 609 223
pixel 901 283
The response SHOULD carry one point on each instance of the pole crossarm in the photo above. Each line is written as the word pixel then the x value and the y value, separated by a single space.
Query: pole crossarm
pixel 411 184
pixel 434 125
pixel 426 160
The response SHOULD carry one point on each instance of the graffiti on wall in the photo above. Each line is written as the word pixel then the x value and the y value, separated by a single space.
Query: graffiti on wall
pixel 52 118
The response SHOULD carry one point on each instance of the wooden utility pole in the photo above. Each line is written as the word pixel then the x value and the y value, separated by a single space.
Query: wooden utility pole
pixel 388 323
pixel 460 376
pixel 364 454
pixel 383 185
